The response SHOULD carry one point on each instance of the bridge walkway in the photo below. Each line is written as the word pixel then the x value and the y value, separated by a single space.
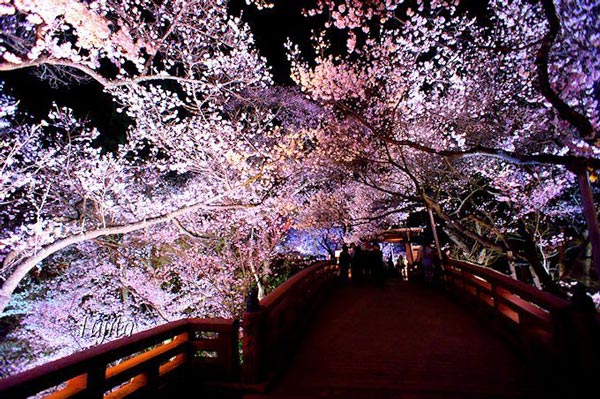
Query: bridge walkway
pixel 403 340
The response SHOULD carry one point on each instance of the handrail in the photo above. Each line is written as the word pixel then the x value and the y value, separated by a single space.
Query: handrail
pixel 271 333
pixel 549 328
pixel 529 310
pixel 199 349
pixel 205 347
pixel 526 291
pixel 322 269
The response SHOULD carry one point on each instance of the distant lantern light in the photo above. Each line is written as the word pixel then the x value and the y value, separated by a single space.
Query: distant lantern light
pixel 337 253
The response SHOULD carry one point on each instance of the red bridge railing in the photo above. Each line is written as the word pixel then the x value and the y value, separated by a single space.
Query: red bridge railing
pixel 271 334
pixel 555 334
pixel 142 363
pixel 188 352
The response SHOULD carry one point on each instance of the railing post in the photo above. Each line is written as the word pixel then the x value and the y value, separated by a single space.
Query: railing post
pixel 153 380
pixel 230 351
pixel 96 380
pixel 253 347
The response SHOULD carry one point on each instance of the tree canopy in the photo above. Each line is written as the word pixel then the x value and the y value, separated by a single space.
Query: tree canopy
pixel 174 199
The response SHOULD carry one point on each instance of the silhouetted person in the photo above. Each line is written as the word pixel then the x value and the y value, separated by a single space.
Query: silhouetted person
pixel 581 300
pixel 252 302
pixel 356 264
pixel 402 265
pixel 377 266
pixel 427 262
pixel 344 263
pixel 391 268
pixel 367 262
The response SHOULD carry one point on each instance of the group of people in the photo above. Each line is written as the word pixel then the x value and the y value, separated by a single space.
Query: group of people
pixel 367 264
pixel 362 264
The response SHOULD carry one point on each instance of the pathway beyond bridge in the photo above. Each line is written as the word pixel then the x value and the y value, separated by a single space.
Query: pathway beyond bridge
pixel 404 341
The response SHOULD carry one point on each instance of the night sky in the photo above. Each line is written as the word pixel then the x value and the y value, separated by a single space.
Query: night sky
pixel 272 27
pixel 88 101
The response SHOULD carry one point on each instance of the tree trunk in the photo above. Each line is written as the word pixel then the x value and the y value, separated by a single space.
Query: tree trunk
pixel 586 266
pixel 530 252
pixel 459 243
pixel 591 217
pixel 435 236
pixel 511 264
pixel 259 285
pixel 561 259
pixel 536 279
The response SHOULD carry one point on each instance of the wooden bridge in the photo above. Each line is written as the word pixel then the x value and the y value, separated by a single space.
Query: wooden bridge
pixel 479 334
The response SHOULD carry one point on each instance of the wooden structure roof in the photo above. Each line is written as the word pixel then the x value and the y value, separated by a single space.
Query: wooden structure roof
pixel 402 234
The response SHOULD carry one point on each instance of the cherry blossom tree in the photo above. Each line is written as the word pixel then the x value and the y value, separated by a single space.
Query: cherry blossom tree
pixel 435 89
pixel 186 76
pixel 201 265
pixel 134 284
pixel 184 209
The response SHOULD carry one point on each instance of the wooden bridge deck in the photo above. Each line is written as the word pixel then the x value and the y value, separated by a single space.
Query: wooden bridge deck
pixel 404 340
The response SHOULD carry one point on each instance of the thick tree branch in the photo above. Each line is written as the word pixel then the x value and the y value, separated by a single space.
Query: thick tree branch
pixel 578 120
pixel 459 228
pixel 107 83
pixel 569 161
pixel 58 63
pixel 23 266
